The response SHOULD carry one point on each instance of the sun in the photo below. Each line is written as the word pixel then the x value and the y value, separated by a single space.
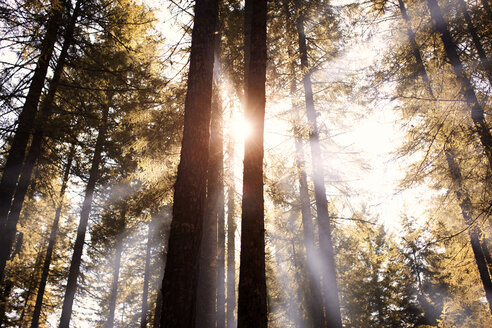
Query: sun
pixel 241 128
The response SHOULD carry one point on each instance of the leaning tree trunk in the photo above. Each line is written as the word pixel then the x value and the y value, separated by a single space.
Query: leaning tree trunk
pixel 10 228
pixel 25 121
pixel 330 287
pixel 51 242
pixel 252 303
pixel 477 113
pixel 473 231
pixel 145 294
pixel 484 61
pixel 180 278
pixel 84 219
pixel 231 239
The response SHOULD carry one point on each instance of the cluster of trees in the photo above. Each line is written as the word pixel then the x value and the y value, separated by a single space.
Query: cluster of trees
pixel 119 198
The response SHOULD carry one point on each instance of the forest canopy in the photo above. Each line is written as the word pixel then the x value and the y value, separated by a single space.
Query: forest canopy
pixel 252 163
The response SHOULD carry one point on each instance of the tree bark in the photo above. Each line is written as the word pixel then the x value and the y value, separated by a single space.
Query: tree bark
pixel 473 231
pixel 484 61
pixel 35 149
pixel 84 218
pixel 145 294
pixel 477 113
pixel 25 122
pixel 231 239
pixel 252 303
pixel 51 243
pixel 330 287
pixel 180 278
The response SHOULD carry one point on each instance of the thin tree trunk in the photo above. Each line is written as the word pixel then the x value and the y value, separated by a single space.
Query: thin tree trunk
pixel 51 243
pixel 252 303
pixel 331 302
pixel 473 231
pixel 415 49
pixel 114 284
pixel 221 320
pixel 35 149
pixel 116 269
pixel 231 239
pixel 84 218
pixel 477 113
pixel 25 123
pixel 486 253
pixel 180 278
pixel 484 61
pixel 313 293
pixel 6 289
pixel 145 294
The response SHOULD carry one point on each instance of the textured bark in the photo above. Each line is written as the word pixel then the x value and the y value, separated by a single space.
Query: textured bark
pixel 10 228
pixel 231 239
pixel 51 242
pixel 84 219
pixel 145 294
pixel 207 290
pixel 180 278
pixel 252 304
pixel 330 287
pixel 116 274
pixel 473 231
pixel 484 61
pixel 477 113
pixel 25 122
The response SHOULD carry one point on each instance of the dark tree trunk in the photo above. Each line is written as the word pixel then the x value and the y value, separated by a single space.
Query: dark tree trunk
pixel 84 218
pixel 252 303
pixel 484 61
pixel 7 286
pixel 158 301
pixel 231 239
pixel 180 278
pixel 25 123
pixel 473 231
pixel 330 287
pixel 51 242
pixel 145 294
pixel 415 49
pixel 35 148
pixel 477 113
pixel 486 253
pixel 206 313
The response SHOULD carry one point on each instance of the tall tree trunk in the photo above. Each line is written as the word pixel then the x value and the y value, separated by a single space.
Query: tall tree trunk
pixel 25 122
pixel 145 294
pixel 206 310
pixel 7 286
pixel 231 238
pixel 484 61
pixel 313 293
pixel 477 113
pixel 415 49
pixel 252 303
pixel 180 278
pixel 221 320
pixel 84 218
pixel 51 243
pixel 35 149
pixel 116 268
pixel 331 302
pixel 473 231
